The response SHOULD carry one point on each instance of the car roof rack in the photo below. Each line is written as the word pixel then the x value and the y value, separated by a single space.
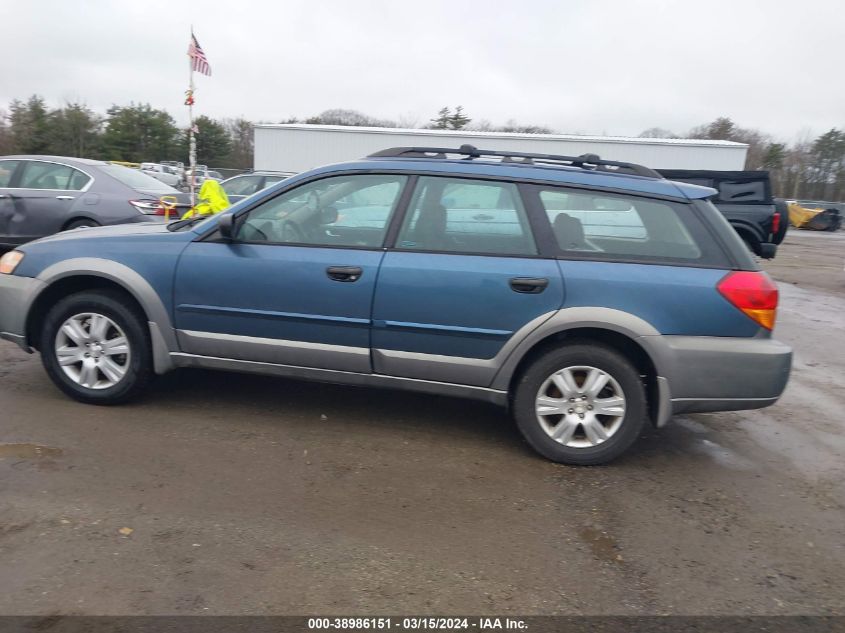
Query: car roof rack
pixel 469 152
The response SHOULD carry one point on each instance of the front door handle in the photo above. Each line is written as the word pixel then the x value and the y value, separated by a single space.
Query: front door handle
pixel 64 197
pixel 529 285
pixel 344 273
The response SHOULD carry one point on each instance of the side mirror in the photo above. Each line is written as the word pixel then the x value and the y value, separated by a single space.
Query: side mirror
pixel 226 226
pixel 768 250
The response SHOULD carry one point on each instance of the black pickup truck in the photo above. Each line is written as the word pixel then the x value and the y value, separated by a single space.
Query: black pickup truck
pixel 745 199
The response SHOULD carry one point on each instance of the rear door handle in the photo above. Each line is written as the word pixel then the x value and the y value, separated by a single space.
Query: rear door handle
pixel 529 285
pixel 64 197
pixel 344 273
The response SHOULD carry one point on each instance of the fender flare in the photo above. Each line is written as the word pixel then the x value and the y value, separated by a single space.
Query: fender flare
pixel 162 334
pixel 625 323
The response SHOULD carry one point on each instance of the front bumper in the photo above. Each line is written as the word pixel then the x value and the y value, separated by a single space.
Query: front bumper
pixel 16 297
pixel 710 373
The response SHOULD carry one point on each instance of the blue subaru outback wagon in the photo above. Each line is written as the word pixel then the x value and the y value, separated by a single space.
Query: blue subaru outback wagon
pixel 590 297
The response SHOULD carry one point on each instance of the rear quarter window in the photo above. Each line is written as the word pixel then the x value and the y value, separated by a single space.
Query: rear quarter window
pixel 616 227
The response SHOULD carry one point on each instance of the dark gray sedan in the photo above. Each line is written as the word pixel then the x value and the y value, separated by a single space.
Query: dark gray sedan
pixel 42 195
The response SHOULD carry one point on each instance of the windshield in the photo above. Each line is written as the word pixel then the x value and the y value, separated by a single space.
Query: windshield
pixel 136 179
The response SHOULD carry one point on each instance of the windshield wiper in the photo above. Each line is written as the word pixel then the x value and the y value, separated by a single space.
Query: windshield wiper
pixel 178 225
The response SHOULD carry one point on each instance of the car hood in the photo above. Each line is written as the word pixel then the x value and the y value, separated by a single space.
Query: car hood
pixel 121 230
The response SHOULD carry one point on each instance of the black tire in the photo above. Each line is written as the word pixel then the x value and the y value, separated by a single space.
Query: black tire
pixel 783 209
pixel 121 310
pixel 78 224
pixel 574 354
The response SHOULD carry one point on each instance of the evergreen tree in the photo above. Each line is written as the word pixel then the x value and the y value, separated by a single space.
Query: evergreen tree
pixel 75 131
pixel 139 133
pixel 458 120
pixel 29 126
pixel 214 145
pixel 441 122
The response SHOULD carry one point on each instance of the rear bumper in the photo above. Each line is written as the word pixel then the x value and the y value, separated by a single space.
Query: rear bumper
pixel 705 373
pixel 16 296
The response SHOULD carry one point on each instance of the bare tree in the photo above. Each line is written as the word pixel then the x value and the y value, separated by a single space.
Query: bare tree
pixel 657 132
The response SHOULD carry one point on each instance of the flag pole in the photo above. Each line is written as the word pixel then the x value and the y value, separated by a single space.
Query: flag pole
pixel 192 144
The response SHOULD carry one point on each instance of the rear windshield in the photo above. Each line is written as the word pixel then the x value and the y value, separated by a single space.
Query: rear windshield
pixel 599 225
pixel 136 179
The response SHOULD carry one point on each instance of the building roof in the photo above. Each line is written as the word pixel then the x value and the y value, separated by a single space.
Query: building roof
pixel 509 135
pixel 519 172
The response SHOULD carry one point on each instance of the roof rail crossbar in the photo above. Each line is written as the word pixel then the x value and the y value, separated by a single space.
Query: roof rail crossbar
pixel 470 152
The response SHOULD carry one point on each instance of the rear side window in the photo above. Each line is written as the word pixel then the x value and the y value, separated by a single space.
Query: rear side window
pixel 603 225
pixel 457 215
pixel 55 176
pixel 7 170
pixel 742 191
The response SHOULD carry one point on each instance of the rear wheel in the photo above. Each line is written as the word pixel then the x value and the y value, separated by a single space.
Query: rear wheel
pixel 78 224
pixel 96 348
pixel 582 403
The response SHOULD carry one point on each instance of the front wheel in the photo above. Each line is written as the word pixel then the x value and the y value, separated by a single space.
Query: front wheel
pixel 96 348
pixel 582 403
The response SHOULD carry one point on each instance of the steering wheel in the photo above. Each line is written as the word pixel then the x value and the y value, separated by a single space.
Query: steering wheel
pixel 313 202
pixel 292 233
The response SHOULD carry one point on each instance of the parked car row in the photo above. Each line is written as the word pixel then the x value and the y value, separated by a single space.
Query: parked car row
pixel 176 175
pixel 589 297
pixel 42 195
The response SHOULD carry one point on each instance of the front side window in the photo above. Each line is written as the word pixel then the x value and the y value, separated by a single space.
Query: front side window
pixel 742 191
pixel 40 175
pixel 466 216
pixel 7 170
pixel 352 210
pixel 597 223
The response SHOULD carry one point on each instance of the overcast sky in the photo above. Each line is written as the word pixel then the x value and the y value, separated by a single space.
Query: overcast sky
pixel 579 66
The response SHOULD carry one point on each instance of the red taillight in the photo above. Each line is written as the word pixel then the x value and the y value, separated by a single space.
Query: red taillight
pixel 776 223
pixel 752 292
pixel 153 207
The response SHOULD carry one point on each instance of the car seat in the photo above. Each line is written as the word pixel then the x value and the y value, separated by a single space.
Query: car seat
pixel 430 229
pixel 569 232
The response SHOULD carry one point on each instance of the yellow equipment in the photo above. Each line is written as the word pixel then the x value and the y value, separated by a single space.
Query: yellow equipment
pixel 168 203
pixel 800 216
pixel 212 199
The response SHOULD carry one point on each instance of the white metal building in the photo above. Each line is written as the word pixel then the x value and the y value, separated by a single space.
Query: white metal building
pixel 299 147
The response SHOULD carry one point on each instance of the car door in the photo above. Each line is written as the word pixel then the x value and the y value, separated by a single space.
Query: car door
pixel 463 280
pixel 290 288
pixel 43 199
pixel 8 169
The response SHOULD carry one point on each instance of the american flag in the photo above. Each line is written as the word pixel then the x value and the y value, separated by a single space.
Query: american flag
pixel 199 62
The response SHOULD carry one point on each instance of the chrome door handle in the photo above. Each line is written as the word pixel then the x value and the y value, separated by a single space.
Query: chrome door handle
pixel 64 198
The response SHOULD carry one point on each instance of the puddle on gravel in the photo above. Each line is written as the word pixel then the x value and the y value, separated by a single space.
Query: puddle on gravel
pixel 28 451
pixel 604 547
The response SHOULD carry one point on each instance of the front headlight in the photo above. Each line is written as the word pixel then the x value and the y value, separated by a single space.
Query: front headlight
pixel 10 261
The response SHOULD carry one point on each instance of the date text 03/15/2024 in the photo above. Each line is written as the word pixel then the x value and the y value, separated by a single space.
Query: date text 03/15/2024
pixel 416 624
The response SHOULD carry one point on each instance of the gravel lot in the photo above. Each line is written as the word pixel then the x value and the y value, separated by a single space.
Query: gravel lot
pixel 233 494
